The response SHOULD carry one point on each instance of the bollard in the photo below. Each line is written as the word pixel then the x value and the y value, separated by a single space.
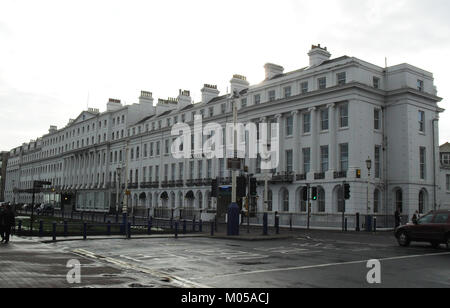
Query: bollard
pixel 212 228
pixel 54 231
pixel 104 218
pixel 193 224
pixel 345 224
pixel 374 224
pixel 277 224
pixel 41 228
pixel 176 229
pixel 117 218
pixel 129 230
pixel 265 224
pixel 84 231
pixel 108 228
pixel 200 226
pixel 149 226
pixel 171 223
pixel 290 223
pixel 19 228
pixel 184 226
pixel 65 228
pixel 357 222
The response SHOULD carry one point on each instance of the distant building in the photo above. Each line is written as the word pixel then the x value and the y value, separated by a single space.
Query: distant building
pixel 444 152
pixel 333 114
pixel 3 164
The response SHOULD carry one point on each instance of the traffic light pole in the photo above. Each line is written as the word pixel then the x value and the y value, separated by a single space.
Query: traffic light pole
pixel 309 206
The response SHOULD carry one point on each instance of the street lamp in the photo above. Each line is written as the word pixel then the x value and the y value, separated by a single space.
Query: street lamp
pixel 117 188
pixel 369 166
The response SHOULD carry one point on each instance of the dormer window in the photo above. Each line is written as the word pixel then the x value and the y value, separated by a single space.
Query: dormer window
pixel 341 78
pixel 322 83
pixel 445 159
pixel 257 99
pixel 271 95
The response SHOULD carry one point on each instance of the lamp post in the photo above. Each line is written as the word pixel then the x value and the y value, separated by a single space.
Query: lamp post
pixel 117 188
pixel 369 166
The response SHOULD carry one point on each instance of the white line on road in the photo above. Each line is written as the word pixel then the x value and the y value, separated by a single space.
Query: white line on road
pixel 331 264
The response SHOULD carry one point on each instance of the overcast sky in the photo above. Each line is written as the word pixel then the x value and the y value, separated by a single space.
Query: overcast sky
pixel 57 57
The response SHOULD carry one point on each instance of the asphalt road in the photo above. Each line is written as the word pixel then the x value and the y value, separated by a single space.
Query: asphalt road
pixel 314 259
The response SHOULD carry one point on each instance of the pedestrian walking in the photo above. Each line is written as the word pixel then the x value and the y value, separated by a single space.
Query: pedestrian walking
pixel 2 223
pixel 9 222
pixel 397 218
pixel 415 217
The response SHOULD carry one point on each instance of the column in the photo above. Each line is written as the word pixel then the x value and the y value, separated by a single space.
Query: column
pixel 314 141
pixel 281 163
pixel 332 155
pixel 295 150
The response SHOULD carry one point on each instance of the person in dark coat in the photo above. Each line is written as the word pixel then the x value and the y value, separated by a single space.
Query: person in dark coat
pixel 9 222
pixel 2 224
pixel 397 218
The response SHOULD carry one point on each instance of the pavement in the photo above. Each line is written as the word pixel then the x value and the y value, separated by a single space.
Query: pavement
pixel 292 259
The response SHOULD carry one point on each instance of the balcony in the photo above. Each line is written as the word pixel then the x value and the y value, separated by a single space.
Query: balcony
pixel 179 183
pixel 340 174
pixel 190 182
pixel 154 184
pixel 282 178
pixel 172 183
pixel 165 184
pixel 301 177
pixel 319 176
pixel 207 182
pixel 198 182
pixel 133 185
pixel 145 184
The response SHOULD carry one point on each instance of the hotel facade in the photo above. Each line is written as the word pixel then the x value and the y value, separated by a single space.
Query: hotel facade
pixel 334 115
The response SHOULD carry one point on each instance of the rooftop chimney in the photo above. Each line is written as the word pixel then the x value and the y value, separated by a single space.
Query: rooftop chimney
pixel 317 55
pixel 209 92
pixel 146 98
pixel 272 70
pixel 184 99
pixel 239 83
pixel 52 129
pixel 113 104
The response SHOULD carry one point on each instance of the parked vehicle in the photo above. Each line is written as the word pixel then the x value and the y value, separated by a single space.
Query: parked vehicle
pixel 433 227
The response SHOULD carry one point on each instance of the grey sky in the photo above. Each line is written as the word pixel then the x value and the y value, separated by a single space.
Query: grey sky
pixel 53 53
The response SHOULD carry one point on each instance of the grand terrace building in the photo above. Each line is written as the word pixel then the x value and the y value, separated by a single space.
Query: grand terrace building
pixel 334 115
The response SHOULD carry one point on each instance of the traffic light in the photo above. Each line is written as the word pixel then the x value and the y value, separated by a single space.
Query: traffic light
pixel 305 193
pixel 253 186
pixel 314 193
pixel 346 191
pixel 241 190
pixel 214 188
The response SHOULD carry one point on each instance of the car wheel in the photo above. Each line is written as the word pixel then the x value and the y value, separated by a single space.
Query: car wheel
pixel 403 239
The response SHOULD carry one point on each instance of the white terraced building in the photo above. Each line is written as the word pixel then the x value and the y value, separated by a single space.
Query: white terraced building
pixel 334 114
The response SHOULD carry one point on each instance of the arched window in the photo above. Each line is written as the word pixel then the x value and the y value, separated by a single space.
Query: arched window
pixel 421 201
pixel 285 200
pixel 376 201
pixel 399 200
pixel 321 200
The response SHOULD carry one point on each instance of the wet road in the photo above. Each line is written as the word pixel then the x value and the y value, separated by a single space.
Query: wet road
pixel 315 260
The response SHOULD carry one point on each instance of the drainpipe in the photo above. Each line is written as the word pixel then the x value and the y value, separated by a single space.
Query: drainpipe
pixel 434 162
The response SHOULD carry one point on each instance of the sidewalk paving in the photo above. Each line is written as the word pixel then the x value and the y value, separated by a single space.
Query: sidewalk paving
pixel 27 263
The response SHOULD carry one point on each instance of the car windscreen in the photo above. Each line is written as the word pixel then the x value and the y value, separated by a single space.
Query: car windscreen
pixel 425 219
pixel 441 218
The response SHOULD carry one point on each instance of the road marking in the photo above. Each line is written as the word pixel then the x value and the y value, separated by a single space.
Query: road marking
pixel 332 264
pixel 184 283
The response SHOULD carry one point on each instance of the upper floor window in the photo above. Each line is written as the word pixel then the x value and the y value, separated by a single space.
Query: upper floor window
pixel 324 158
pixel 287 92
pixel 244 102
pixel 289 166
pixel 422 163
pixel 343 115
pixel 343 151
pixel 341 78
pixel 420 85
pixel 376 118
pixel 289 126
pixel 421 121
pixel 257 99
pixel 271 95
pixel 223 108
pixel 448 182
pixel 324 119
pixel 377 161
pixel 376 82
pixel 211 111
pixel 445 159
pixel 306 122
pixel 304 87
pixel 322 83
